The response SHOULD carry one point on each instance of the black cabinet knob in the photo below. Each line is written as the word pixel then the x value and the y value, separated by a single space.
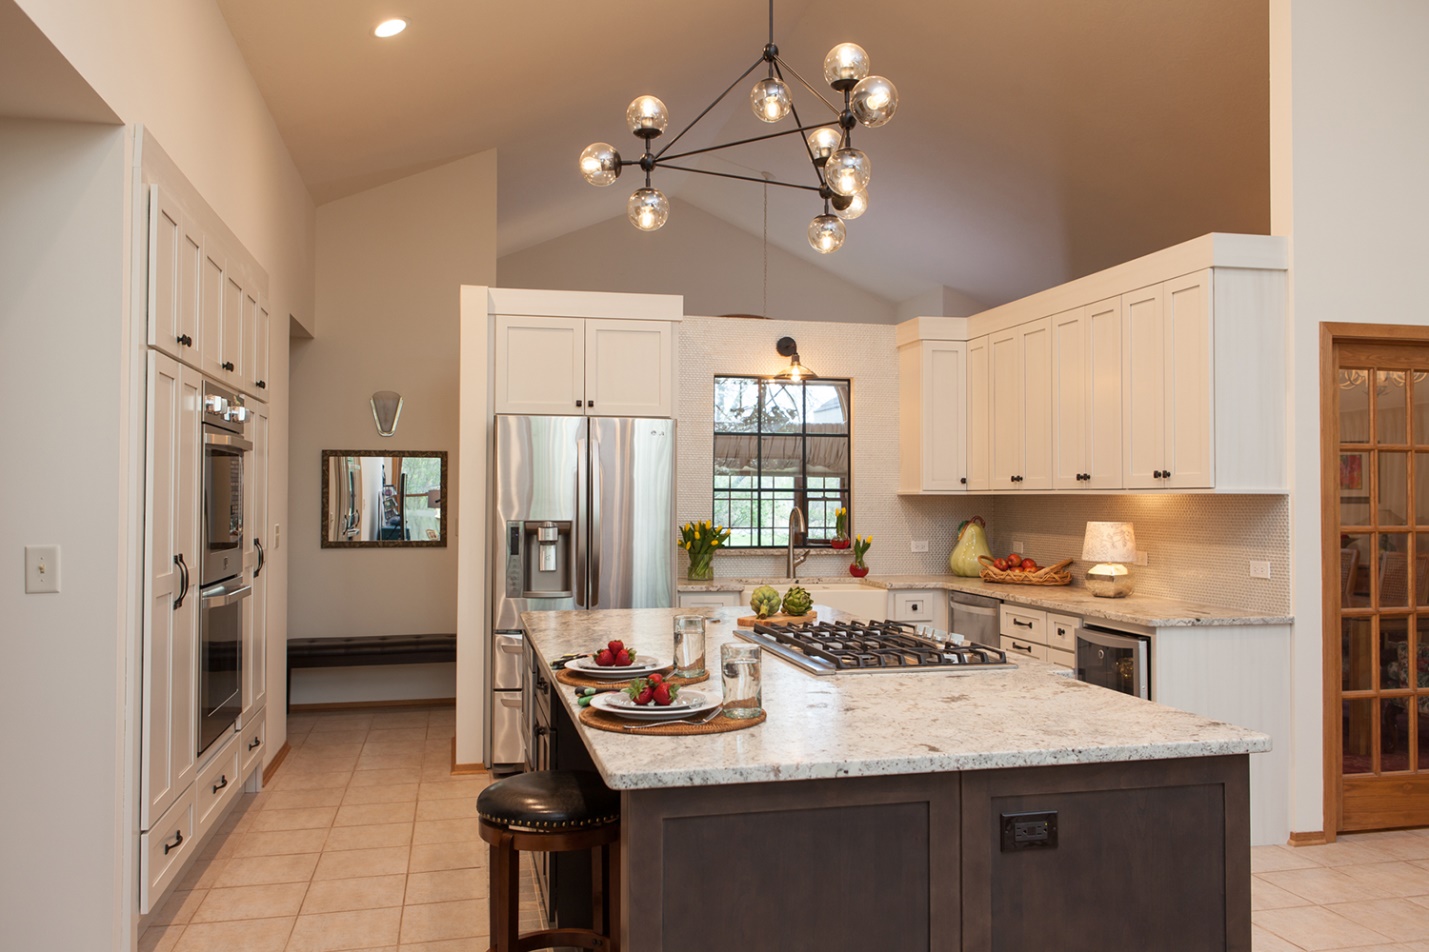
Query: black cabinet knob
pixel 185 340
pixel 262 385
pixel 1166 474
pixel 580 403
pixel 589 404
pixel 963 480
pixel 227 365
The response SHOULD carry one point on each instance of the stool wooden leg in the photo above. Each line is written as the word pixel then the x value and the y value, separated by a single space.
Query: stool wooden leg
pixel 612 893
pixel 505 886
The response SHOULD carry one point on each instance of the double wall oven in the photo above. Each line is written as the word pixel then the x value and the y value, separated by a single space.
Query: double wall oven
pixel 223 587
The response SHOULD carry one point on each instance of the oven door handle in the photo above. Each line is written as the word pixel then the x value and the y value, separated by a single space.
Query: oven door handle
pixel 214 438
pixel 221 595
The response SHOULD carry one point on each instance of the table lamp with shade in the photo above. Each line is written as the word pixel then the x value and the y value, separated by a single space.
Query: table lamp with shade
pixel 1112 545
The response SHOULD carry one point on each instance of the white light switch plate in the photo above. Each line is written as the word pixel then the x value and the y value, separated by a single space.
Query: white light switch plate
pixel 42 569
pixel 1018 546
pixel 918 545
pixel 1141 557
pixel 1259 569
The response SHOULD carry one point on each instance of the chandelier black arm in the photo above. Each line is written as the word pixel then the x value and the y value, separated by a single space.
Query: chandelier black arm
pixel 742 178
pixel 779 61
pixel 717 101
pixel 728 145
pixel 794 110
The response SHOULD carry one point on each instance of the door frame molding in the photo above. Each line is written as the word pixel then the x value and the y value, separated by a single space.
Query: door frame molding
pixel 1330 333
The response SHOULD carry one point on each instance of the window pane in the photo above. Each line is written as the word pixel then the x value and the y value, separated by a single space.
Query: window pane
pixel 736 458
pixel 1354 406
pixel 1394 735
pixel 1391 400
pixel 1356 570
pixel 827 406
pixel 1393 653
pixel 1394 570
pixel 1357 725
pixel 1393 489
pixel 783 456
pixel 783 410
pixel 1356 662
pixel 736 404
pixel 1419 386
pixel 828 456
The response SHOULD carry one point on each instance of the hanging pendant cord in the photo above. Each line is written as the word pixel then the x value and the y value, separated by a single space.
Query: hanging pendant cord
pixel 765 309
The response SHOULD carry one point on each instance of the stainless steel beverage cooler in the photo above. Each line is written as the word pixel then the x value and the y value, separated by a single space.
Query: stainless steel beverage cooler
pixel 583 518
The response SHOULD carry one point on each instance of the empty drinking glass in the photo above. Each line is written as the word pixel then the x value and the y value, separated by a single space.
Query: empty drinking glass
pixel 690 646
pixel 742 681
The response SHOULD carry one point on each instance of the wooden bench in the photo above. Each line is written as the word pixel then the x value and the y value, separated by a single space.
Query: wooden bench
pixel 368 650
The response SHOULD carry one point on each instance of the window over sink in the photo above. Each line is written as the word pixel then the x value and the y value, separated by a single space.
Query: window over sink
pixel 780 444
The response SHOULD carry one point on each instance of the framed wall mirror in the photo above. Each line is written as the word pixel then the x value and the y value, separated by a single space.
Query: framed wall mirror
pixel 378 498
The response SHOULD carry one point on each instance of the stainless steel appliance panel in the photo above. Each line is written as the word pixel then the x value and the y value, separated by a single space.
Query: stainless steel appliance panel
pixel 632 513
pixel 220 699
pixel 975 617
pixel 508 736
pixel 1120 661
pixel 506 651
pixel 540 475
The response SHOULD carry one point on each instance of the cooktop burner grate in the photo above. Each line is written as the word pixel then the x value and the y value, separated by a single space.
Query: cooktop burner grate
pixel 862 647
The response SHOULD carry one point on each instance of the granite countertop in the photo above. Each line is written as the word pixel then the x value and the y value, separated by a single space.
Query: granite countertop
pixel 852 725
pixel 1151 611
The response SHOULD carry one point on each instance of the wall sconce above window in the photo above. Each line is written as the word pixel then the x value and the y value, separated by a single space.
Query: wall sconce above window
pixel 386 409
pixel 788 347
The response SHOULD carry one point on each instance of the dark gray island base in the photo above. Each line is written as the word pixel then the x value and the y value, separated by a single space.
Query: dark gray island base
pixel 1136 854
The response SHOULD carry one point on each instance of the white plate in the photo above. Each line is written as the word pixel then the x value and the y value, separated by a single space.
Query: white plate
pixel 686 704
pixel 640 669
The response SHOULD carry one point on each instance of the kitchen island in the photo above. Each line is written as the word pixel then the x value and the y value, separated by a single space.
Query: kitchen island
pixel 883 811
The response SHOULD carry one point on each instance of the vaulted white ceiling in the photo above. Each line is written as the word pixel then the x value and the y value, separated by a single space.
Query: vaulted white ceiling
pixel 1036 140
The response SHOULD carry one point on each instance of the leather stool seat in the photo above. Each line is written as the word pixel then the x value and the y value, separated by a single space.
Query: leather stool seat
pixel 549 801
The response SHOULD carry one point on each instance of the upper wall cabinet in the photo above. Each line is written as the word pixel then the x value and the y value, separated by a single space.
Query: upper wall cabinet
pixel 1167 372
pixel 932 393
pixel 571 366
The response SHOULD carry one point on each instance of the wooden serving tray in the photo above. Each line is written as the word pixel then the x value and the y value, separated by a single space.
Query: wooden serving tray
pixel 749 621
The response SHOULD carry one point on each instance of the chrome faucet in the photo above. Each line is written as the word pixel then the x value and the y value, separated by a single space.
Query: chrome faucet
pixel 796 517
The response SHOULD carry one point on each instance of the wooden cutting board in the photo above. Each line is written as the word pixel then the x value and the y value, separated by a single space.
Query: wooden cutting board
pixel 749 621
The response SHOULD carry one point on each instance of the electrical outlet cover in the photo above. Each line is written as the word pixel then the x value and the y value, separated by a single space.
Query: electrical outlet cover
pixel 918 545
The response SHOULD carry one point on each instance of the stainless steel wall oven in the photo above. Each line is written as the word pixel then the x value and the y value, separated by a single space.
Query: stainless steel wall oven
pixel 224 589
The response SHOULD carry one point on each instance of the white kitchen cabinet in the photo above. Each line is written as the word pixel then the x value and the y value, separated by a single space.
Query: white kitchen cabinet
pixel 979 404
pixel 218 782
pixel 574 366
pixel 919 608
pixel 932 396
pixel 175 269
pixel 171 566
pixel 1086 397
pixel 164 849
pixel 261 348
pixel 1021 396
pixel 255 629
pixel 711 600
pixel 1014 645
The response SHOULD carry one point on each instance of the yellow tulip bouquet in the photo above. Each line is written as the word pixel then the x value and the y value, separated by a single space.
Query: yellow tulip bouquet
pixel 701 540
pixel 840 539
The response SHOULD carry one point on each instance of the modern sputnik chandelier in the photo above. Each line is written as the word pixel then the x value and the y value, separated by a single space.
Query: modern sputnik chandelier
pixel 841 171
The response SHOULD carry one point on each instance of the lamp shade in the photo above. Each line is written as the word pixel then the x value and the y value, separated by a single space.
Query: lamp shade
pixel 386 411
pixel 1109 542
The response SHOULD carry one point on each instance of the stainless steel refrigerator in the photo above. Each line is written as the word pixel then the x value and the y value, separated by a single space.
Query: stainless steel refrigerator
pixel 583 518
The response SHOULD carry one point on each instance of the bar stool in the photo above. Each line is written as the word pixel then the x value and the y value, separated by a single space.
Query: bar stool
pixel 549 811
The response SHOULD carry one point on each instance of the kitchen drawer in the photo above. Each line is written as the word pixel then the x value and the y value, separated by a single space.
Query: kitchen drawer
pixel 217 784
pixel 913 606
pixel 1024 624
pixel 507 655
pixel 1062 632
pixel 711 600
pixel 1062 659
pixel 253 740
pixel 164 848
pixel 1021 646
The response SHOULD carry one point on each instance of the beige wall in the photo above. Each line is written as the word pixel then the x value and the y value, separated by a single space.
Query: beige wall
pixel 390 265
pixel 718 268
pixel 1348 136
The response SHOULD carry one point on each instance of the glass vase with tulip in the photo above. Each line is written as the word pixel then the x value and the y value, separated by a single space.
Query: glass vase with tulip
pixel 857 568
pixel 701 540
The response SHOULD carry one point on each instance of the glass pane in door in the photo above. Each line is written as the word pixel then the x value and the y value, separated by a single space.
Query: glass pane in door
pixel 1357 731
pixel 1394 731
pixel 1354 405
pixel 1393 650
pixel 1391 401
pixel 1357 654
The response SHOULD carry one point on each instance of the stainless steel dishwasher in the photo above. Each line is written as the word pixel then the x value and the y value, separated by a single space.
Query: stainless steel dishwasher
pixel 975 617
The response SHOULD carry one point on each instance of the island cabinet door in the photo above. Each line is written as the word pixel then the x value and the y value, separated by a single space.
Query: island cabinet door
pixel 846 865
pixel 1146 855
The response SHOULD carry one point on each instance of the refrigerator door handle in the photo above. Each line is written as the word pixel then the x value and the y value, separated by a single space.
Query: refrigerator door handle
pixel 596 483
pixel 580 583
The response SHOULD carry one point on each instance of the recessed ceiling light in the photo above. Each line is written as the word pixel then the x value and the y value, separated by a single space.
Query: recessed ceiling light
pixel 390 27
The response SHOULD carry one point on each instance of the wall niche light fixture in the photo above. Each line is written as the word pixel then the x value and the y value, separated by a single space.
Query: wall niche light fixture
pixel 841 172
pixel 386 409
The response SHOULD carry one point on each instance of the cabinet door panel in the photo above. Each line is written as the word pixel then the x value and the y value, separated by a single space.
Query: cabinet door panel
pixel 1006 437
pixel 1104 413
pixel 211 300
pixel 255 628
pixel 979 451
pixel 1070 388
pixel 166 235
pixel 628 367
pixel 234 319
pixel 261 346
pixel 1143 387
pixel 944 446
pixel 1189 399
pixel 540 365
pixel 1036 471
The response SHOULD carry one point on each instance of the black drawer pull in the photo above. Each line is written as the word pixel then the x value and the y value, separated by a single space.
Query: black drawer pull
pixel 589 404
pixel 1022 624
pixel 222 782
pixel 227 365
pixel 580 403
pixel 178 838
pixel 1166 474
pixel 1026 648
pixel 256 743
pixel 184 340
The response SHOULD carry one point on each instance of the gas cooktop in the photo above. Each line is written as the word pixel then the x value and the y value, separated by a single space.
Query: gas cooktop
pixel 874 646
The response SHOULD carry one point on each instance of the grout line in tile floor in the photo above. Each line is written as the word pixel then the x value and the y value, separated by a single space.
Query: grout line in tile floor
pixel 362 841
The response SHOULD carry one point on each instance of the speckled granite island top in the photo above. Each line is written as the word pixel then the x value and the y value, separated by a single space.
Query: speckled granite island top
pixel 850 725
pixel 1151 611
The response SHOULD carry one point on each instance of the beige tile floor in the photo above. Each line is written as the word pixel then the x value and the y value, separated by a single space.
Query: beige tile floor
pixel 362 841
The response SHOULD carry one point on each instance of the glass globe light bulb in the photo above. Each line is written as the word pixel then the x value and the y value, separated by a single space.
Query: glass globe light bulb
pixel 648 208
pixel 646 114
pixel 873 101
pixel 847 172
pixel 823 141
pixel 770 99
pixel 826 234
pixel 600 163
pixel 856 206
pixel 845 62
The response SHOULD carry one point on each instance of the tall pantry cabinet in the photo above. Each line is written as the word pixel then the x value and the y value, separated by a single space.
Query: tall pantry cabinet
pixel 208 319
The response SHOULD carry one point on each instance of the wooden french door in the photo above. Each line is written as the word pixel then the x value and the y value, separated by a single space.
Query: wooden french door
pixel 1376 572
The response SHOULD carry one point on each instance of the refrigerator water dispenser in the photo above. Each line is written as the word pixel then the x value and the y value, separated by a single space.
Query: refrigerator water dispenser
pixel 539 559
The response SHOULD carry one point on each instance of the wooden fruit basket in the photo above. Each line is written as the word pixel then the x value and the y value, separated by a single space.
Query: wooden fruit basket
pixel 1047 575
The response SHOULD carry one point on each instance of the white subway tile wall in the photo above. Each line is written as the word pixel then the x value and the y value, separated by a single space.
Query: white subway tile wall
pixel 866 354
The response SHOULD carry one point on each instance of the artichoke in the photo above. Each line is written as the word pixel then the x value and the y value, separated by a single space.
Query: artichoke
pixel 764 601
pixel 797 601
